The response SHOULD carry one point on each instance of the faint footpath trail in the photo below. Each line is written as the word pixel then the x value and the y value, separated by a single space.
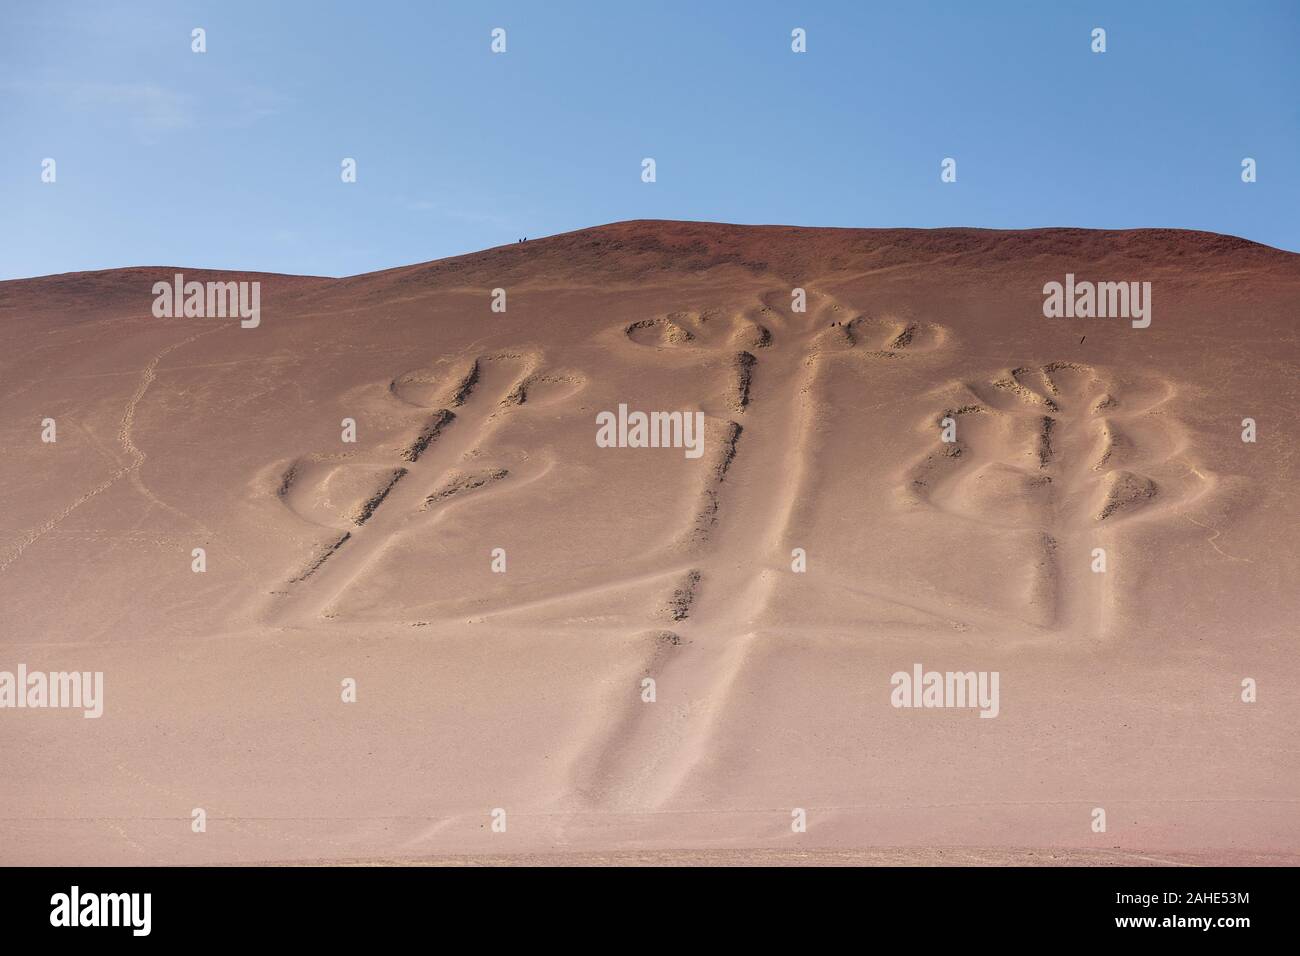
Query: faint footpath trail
pixel 124 436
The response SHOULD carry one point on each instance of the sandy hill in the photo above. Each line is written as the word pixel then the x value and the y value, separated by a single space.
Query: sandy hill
pixel 500 587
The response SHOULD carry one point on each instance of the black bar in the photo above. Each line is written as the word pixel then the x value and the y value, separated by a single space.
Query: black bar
pixel 624 904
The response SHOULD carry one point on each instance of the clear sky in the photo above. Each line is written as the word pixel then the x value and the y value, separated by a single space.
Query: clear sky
pixel 231 158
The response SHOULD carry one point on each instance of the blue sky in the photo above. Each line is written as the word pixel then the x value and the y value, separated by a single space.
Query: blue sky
pixel 231 158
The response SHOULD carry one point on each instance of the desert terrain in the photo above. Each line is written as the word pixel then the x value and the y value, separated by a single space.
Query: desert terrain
pixel 498 588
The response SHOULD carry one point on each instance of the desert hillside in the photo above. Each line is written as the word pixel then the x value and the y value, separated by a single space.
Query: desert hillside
pixel 500 586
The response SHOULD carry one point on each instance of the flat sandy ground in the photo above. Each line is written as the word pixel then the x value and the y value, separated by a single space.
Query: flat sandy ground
pixel 882 856
pixel 522 690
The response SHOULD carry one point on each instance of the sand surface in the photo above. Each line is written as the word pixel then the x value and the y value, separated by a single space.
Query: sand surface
pixel 523 690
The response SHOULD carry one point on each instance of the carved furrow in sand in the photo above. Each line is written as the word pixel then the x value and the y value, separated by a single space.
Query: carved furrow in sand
pixel 432 474
pixel 711 615
pixel 758 492
pixel 1059 457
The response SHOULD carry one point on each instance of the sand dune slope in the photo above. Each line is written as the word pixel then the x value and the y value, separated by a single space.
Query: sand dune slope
pixel 628 650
